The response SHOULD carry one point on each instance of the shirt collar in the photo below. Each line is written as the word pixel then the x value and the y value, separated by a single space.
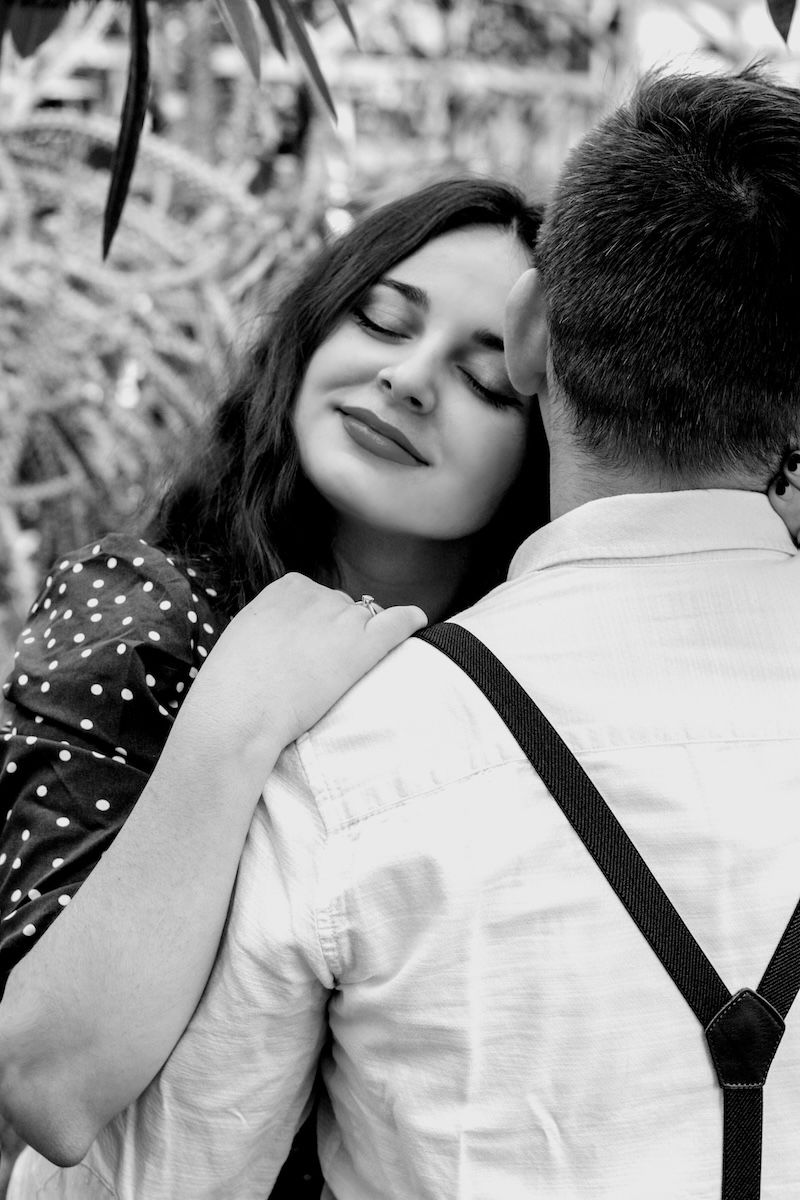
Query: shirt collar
pixel 656 525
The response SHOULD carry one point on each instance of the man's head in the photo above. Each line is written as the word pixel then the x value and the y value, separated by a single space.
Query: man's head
pixel 669 268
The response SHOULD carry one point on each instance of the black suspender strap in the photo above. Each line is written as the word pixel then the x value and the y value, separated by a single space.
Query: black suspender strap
pixel 742 1030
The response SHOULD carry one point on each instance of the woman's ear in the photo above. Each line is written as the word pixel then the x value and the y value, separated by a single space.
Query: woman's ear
pixel 525 333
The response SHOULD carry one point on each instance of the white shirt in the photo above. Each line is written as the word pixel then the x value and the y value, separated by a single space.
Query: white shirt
pixel 499 1028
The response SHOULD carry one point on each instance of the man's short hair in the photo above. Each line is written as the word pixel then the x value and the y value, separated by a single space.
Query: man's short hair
pixel 670 257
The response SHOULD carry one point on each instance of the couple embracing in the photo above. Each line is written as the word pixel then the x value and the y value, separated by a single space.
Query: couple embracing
pixel 475 954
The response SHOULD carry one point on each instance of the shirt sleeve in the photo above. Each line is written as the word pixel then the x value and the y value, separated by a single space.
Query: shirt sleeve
pixel 113 642
pixel 246 1063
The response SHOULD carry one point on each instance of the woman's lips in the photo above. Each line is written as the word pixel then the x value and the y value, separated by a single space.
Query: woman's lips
pixel 371 433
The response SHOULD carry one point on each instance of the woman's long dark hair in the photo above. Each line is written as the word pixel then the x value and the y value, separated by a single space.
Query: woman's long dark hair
pixel 242 512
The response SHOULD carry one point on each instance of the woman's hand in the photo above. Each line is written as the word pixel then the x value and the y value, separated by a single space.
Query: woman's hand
pixel 284 660
pixel 784 494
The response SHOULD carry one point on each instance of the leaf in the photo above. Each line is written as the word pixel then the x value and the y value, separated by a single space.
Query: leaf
pixel 344 13
pixel 31 23
pixel 272 24
pixel 300 38
pixel 133 114
pixel 782 12
pixel 240 25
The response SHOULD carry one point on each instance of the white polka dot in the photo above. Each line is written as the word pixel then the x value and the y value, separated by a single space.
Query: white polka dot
pixel 201 650
pixel 58 862
pixel 11 767
pixel 150 681
pixel 63 822
pixel 23 679
pixel 38 720
pixel 126 694
pixel 68 614
pixel 2 859
pixel 92 602
pixel 16 864
pixel 47 604
pixel 34 894
pixel 112 562
pixel 76 570
pixel 103 805
pixel 62 588
pixel 53 664
pixel 96 617
pixel 15 896
pixel 127 620
pixel 192 616
pixel 164 605
pixel 192 672
pixel 137 562
pixel 87 724
pixel 147 587
pixel 98 583
pixel 96 549
pixel 79 637
pixel 29 930
pixel 64 755
pixel 85 653
pixel 210 592
pixel 45 686
pixel 64 900
pixel 154 637
pixel 120 599
pixel 96 689
pixel 28 641
pixel 31 740
pixel 162 710
pixel 208 628
pixel 171 561
pixel 62 567
pixel 51 643
pixel 180 686
pixel 195 598
pixel 41 790
pixel 97 754
pixel 26 833
pixel 121 648
pixel 191 573
pixel 120 750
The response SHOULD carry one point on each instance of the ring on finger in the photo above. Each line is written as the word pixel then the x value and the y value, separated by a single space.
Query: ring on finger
pixel 369 603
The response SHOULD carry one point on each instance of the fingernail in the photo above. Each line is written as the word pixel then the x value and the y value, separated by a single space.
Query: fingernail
pixel 780 487
pixel 793 461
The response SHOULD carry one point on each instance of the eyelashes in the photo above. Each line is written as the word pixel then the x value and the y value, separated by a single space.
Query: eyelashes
pixel 497 399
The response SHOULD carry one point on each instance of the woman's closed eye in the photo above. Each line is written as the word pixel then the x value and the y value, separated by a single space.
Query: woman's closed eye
pixel 500 396
pixel 382 323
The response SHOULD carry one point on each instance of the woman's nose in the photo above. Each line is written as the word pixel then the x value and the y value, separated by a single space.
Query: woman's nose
pixel 411 382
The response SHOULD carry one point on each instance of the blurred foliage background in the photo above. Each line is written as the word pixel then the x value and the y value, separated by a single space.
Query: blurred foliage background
pixel 106 367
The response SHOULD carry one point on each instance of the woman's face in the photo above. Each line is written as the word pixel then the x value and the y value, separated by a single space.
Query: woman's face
pixel 406 420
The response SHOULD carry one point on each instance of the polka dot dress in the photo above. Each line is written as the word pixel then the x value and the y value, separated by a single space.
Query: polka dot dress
pixel 112 644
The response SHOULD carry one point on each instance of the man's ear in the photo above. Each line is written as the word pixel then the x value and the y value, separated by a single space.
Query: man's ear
pixel 525 333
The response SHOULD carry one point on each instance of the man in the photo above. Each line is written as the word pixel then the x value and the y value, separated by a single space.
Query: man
pixel 497 1026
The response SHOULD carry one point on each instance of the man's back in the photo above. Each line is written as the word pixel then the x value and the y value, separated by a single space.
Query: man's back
pixel 499 1027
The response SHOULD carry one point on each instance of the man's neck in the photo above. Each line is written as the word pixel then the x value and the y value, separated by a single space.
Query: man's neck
pixel 577 478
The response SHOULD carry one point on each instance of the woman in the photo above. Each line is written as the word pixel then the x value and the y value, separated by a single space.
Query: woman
pixel 375 444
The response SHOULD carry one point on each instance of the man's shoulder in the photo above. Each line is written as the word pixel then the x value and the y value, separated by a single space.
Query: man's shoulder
pixel 414 725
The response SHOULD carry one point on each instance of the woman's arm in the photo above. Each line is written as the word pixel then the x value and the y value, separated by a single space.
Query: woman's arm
pixel 93 1010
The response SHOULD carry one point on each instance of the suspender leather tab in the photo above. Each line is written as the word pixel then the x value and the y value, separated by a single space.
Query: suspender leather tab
pixel 743 1038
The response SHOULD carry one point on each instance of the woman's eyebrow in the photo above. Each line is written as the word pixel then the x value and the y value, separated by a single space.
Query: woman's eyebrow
pixel 482 337
pixel 485 337
pixel 414 294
